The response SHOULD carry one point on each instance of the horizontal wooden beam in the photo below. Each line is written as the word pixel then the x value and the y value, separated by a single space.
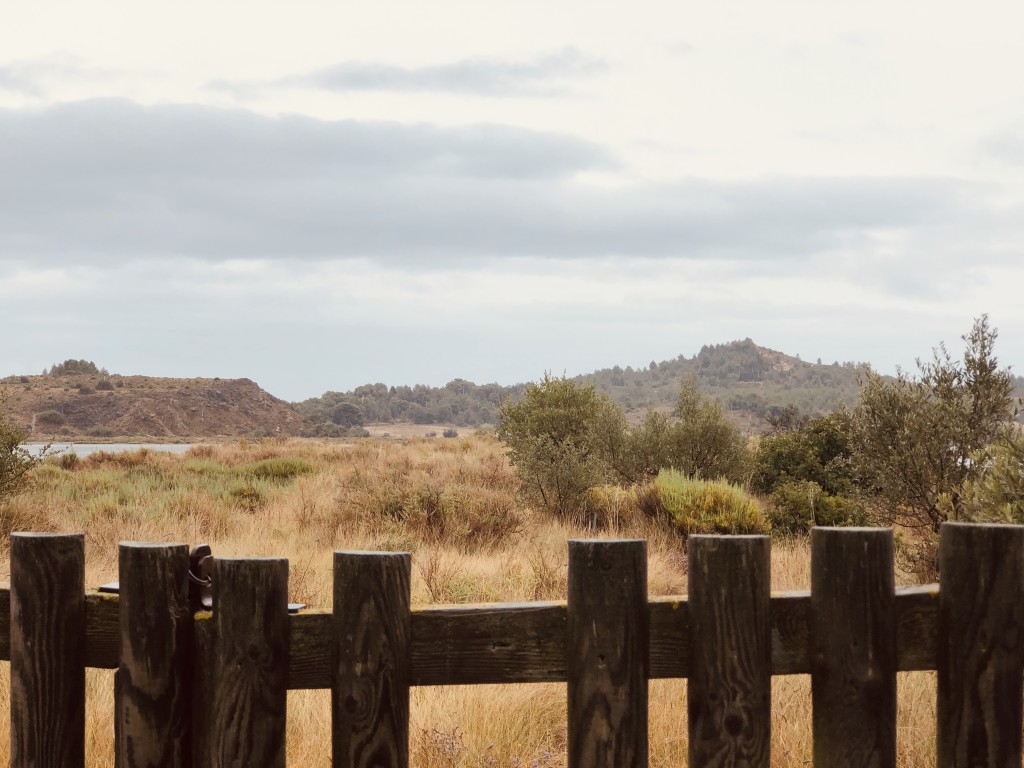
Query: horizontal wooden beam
pixel 525 642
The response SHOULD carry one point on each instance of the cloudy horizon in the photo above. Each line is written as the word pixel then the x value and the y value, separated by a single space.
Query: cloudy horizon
pixel 317 197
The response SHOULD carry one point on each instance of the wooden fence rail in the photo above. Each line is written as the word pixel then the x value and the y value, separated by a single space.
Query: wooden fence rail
pixel 210 689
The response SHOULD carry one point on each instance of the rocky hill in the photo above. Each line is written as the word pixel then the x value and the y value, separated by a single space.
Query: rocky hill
pixel 96 405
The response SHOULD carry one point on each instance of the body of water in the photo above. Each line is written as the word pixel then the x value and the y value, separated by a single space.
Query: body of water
pixel 84 449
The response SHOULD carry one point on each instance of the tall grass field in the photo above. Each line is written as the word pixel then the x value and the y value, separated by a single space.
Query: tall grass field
pixel 453 503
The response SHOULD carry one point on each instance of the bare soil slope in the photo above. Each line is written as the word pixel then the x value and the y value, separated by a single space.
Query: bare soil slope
pixel 98 406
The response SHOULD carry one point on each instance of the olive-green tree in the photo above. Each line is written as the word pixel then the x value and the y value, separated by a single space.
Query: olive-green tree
pixel 700 441
pixel 563 438
pixel 995 494
pixel 916 438
pixel 15 461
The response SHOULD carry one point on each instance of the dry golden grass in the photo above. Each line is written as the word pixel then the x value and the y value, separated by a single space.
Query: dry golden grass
pixel 452 503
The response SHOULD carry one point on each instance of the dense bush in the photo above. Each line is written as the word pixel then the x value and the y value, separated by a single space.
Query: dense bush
pixel 798 506
pixel 50 418
pixel 805 468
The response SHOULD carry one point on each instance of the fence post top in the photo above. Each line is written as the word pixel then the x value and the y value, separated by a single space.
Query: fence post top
pixel 955 525
pixel 599 542
pixel 368 553
pixel 50 535
pixel 830 531
pixel 737 537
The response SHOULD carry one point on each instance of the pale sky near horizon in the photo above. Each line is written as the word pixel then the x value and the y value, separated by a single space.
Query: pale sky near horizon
pixel 317 195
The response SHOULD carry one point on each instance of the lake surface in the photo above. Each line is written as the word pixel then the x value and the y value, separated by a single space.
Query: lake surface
pixel 84 449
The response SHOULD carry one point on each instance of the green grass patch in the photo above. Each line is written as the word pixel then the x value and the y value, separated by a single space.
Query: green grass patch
pixel 703 506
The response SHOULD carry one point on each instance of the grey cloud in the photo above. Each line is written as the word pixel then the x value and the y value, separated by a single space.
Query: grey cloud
pixel 29 77
pixel 1006 146
pixel 116 181
pixel 480 76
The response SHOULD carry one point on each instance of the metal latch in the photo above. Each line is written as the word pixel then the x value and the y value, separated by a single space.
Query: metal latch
pixel 200 581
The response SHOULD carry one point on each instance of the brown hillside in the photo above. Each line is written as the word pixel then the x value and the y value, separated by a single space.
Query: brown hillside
pixel 99 406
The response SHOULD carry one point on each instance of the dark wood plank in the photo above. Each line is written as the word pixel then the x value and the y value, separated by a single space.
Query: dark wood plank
pixel 467 644
pixel 47 650
pixel 250 663
pixel 853 648
pixel 917 622
pixel 153 700
pixel 606 654
pixel 525 642
pixel 203 651
pixel 370 696
pixel 729 690
pixel 981 622
pixel 102 630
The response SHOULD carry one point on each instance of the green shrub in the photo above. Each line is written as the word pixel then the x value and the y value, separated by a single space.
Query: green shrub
pixel 50 418
pixel 279 469
pixel 796 507
pixel 450 433
pixel 248 497
pixel 15 461
pixel 703 506
pixel 104 384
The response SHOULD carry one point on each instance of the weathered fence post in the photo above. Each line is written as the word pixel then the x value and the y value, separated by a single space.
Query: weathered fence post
pixel 607 654
pixel 47 650
pixel 729 690
pixel 249 685
pixel 853 648
pixel 981 631
pixel 153 679
pixel 371 660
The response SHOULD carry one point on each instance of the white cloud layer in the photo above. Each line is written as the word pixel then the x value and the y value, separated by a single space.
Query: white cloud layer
pixel 317 195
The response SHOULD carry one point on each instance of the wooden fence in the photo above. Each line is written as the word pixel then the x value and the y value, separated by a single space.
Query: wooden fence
pixel 210 689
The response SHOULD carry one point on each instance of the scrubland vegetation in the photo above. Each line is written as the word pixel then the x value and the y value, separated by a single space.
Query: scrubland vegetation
pixel 487 517
pixel 456 505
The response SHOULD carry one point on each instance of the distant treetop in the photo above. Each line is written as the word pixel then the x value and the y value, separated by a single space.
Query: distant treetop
pixel 71 367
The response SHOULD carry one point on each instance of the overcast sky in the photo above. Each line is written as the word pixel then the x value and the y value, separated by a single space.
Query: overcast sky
pixel 317 195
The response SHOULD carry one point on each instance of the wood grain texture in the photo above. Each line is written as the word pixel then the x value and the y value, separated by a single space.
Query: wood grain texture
pixel 524 642
pixel 47 650
pixel 250 663
pixel 203 649
pixel 729 690
pixel 853 648
pixel 153 699
pixel 370 696
pixel 981 621
pixel 607 655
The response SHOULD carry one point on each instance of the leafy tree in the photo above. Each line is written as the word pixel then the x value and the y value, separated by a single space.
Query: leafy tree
pixel 15 461
pixel 914 437
pixel 707 443
pixel 996 493
pixel 347 414
pixel 563 438
pixel 701 442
